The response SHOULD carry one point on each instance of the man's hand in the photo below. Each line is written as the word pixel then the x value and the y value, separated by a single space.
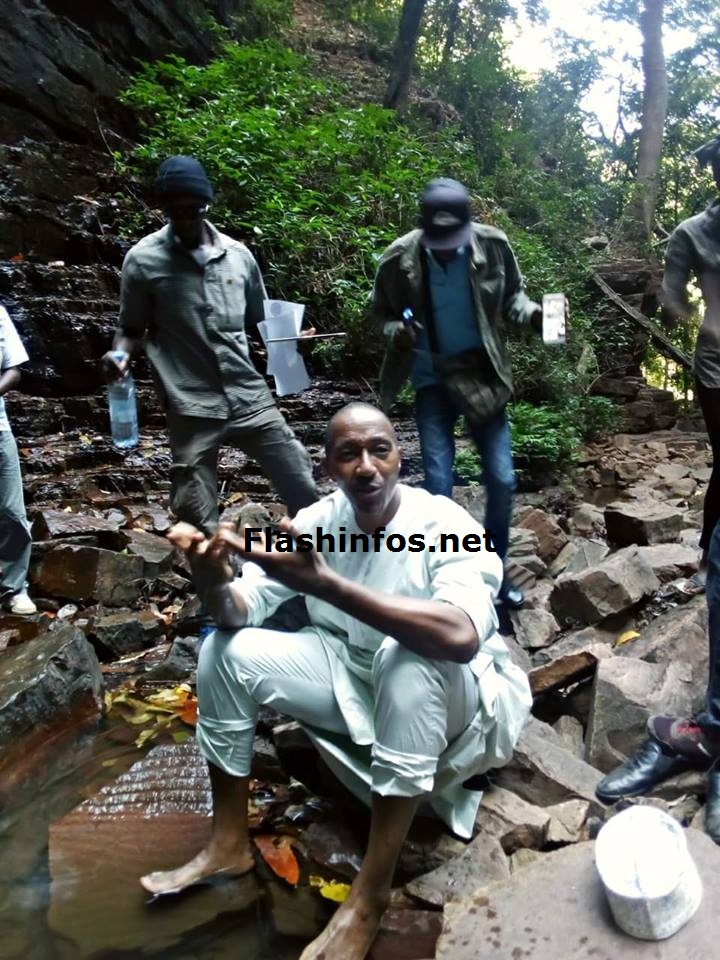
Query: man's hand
pixel 211 554
pixel 536 321
pixel 112 367
pixel 305 348
pixel 406 336
pixel 303 570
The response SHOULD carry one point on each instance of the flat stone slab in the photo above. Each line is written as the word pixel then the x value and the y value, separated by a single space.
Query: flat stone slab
pixel 556 908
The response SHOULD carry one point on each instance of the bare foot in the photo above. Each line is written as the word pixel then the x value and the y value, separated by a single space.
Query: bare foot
pixel 206 864
pixel 350 933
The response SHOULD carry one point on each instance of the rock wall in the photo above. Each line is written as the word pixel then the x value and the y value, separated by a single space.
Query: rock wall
pixel 61 60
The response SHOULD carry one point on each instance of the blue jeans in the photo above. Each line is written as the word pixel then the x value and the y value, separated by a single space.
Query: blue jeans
pixel 710 719
pixel 15 539
pixel 436 417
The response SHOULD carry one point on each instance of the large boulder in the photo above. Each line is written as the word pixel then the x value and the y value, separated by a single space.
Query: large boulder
pixel 557 908
pixel 628 691
pixel 544 772
pixel 45 684
pixel 551 538
pixel 89 574
pixel 643 522
pixel 482 861
pixel 615 584
pixel 570 660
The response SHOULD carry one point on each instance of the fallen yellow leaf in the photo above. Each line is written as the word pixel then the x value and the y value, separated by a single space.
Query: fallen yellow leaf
pixel 626 637
pixel 330 889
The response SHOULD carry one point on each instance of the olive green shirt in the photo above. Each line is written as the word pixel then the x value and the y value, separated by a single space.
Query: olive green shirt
pixel 498 297
pixel 193 318
pixel 694 248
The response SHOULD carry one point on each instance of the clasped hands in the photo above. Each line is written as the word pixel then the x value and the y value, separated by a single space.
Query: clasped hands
pixel 305 571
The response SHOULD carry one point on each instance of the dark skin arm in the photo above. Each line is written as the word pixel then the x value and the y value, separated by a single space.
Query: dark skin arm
pixel 430 628
pixel 112 368
pixel 9 379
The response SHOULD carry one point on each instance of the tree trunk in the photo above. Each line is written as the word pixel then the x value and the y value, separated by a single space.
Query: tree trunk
pixel 410 19
pixel 453 22
pixel 641 215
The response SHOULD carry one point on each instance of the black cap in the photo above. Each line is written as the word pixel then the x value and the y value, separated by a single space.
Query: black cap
pixel 183 175
pixel 709 153
pixel 445 215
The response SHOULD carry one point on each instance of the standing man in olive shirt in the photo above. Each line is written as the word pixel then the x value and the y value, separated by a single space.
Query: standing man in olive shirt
pixel 190 292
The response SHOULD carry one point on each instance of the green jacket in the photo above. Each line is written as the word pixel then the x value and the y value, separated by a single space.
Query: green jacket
pixel 498 294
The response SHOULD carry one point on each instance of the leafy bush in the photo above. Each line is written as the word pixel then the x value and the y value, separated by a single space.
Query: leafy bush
pixel 320 187
pixel 543 436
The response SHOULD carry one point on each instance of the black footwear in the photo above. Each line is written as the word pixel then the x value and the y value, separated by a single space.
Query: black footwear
pixel 644 770
pixel 510 595
pixel 712 805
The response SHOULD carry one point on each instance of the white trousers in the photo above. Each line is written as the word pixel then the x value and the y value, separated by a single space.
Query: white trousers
pixel 415 707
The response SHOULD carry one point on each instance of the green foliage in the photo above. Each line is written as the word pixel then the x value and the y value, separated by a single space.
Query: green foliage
pixel 262 18
pixel 318 186
pixel 542 436
pixel 467 466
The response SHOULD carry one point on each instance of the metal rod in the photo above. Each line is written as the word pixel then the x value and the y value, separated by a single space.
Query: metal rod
pixel 314 336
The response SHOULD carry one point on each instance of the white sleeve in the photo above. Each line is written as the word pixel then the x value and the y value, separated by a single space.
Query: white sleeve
pixel 469 581
pixel 13 351
pixel 261 594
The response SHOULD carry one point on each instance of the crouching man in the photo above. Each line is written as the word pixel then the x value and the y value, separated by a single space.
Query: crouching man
pixel 401 679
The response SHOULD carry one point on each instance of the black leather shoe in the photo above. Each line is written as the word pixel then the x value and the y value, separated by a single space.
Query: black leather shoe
pixel 712 805
pixel 510 595
pixel 644 770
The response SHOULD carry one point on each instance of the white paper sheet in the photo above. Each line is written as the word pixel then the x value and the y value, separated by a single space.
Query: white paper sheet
pixel 284 363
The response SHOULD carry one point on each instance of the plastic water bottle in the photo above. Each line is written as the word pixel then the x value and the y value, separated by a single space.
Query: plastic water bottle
pixel 123 408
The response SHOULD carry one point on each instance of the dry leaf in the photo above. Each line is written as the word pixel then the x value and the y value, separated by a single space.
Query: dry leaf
pixel 331 889
pixel 109 763
pixel 181 736
pixel 277 852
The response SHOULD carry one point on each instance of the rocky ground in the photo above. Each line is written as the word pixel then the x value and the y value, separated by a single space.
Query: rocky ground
pixel 606 637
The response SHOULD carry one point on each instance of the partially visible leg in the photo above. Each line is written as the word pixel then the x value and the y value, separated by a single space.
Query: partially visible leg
pixel 282 457
pixel 420 706
pixel 236 673
pixel 709 400
pixel 15 539
pixel 195 444
pixel 494 444
pixel 436 418
pixel 710 719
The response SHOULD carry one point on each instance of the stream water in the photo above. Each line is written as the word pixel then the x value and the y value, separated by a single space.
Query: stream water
pixel 69 891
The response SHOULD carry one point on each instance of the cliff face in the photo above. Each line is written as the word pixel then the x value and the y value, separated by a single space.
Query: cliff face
pixel 61 60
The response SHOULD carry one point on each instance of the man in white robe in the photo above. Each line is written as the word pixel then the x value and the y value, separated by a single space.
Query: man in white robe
pixel 401 678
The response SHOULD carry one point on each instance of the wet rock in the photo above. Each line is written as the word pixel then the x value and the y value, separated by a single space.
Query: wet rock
pixel 127 631
pixel 626 692
pixel 334 847
pixel 669 561
pixel 512 820
pixel 481 862
pixel 524 858
pixel 180 663
pixel 89 573
pixel 570 660
pixel 22 629
pixel 551 538
pixel 519 656
pixel 156 553
pixel 557 908
pixel 643 522
pixel 155 816
pixel 56 524
pixel 406 935
pixel 44 684
pixel 534 628
pixel 544 772
pixel 427 848
pixel 613 585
